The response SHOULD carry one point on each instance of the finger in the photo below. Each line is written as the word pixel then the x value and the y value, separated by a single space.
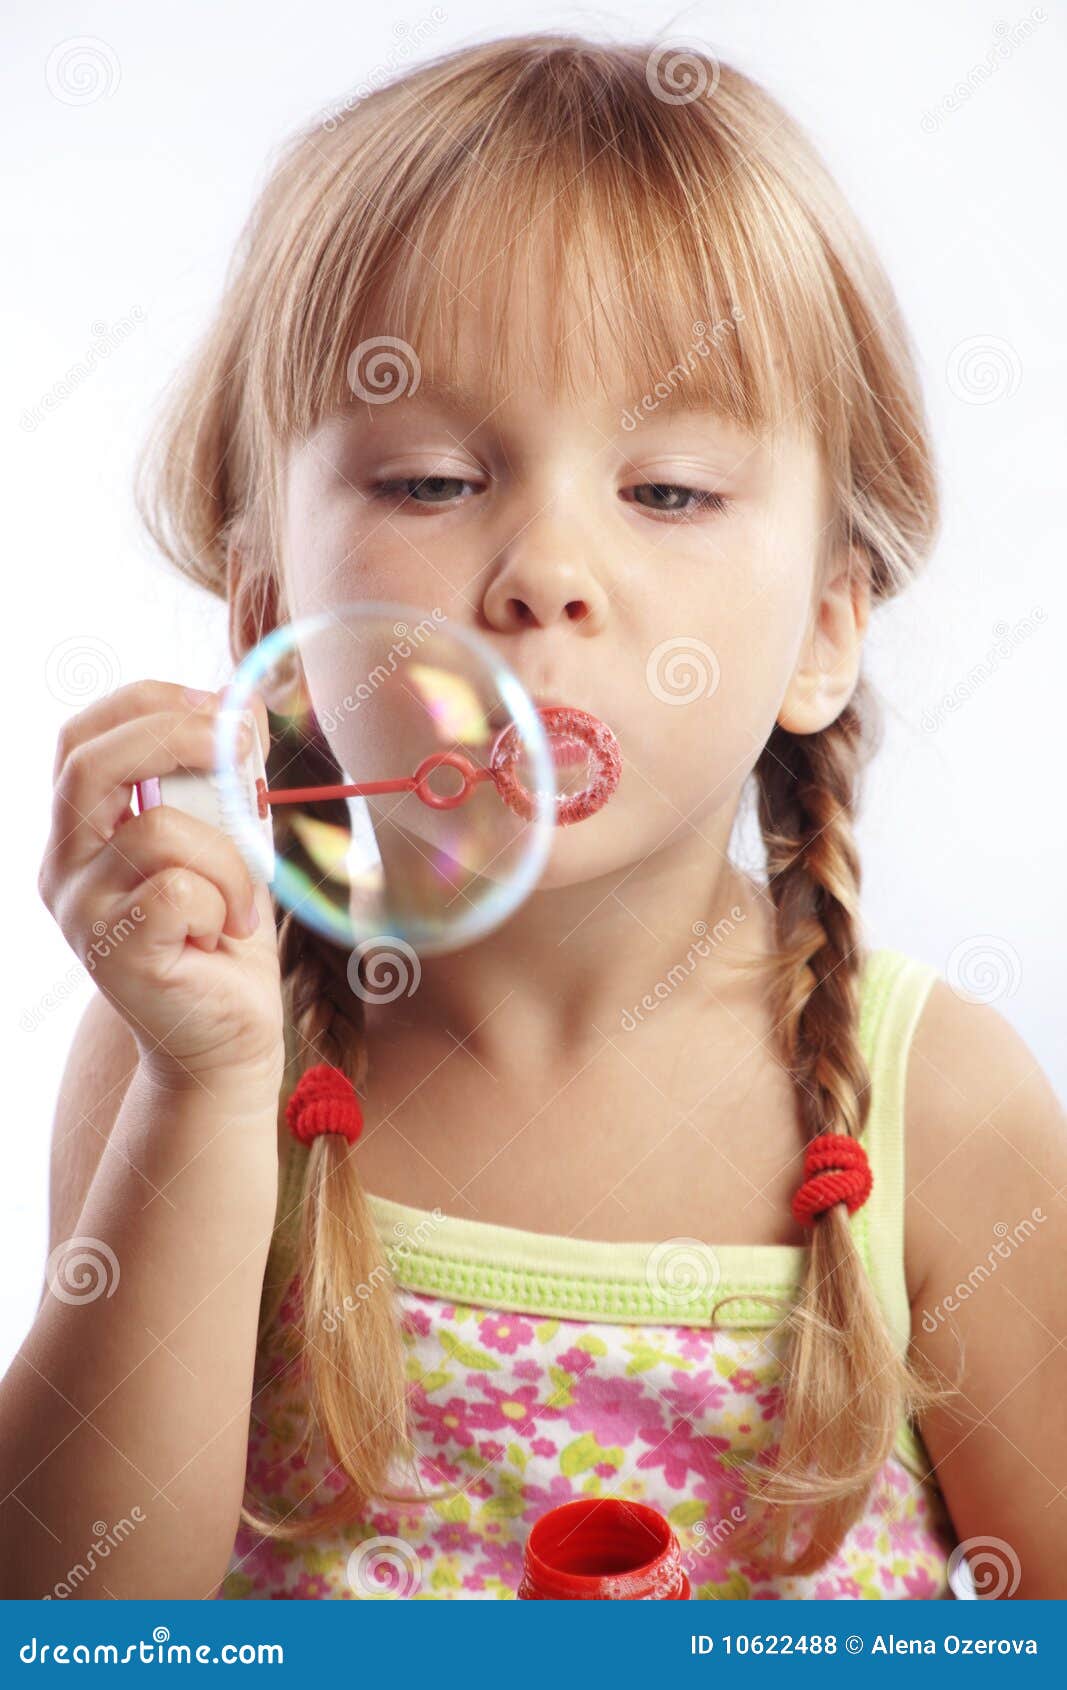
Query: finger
pixel 95 784
pixel 165 836
pixel 137 698
pixel 174 906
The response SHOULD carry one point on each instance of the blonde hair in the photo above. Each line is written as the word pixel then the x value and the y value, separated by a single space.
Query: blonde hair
pixel 709 208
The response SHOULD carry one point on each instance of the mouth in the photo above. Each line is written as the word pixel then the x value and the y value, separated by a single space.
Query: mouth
pixel 585 755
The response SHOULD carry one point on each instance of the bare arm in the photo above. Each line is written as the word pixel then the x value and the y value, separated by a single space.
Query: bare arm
pixel 987 1260
pixel 127 1407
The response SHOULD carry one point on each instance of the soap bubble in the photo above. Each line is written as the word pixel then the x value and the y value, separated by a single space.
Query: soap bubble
pixel 383 694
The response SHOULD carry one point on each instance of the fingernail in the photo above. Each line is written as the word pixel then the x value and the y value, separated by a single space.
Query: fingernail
pixel 195 695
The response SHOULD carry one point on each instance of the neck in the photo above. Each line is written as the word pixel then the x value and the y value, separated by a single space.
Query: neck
pixel 648 943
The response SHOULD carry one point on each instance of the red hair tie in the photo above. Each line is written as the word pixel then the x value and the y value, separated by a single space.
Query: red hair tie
pixel 836 1170
pixel 324 1101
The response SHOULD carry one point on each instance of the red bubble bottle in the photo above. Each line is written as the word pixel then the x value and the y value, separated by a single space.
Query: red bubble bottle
pixel 603 1549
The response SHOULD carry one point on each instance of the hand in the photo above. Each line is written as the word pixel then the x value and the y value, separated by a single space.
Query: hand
pixel 161 906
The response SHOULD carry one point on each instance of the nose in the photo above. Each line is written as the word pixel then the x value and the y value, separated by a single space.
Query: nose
pixel 543 580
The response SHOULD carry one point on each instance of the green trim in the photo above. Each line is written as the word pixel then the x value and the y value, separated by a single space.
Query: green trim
pixel 558 1276
pixel 744 1286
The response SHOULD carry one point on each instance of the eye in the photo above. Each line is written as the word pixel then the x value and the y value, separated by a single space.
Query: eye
pixel 420 489
pixel 674 497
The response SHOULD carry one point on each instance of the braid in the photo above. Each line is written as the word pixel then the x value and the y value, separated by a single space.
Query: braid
pixel 353 1360
pixel 847 1384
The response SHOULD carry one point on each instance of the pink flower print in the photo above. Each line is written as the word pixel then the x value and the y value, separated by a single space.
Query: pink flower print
pixel 743 1379
pixel 543 1446
pixel 679 1450
pixel 311 1587
pixel 771 1402
pixel 490 1451
pixel 612 1409
pixel 504 1332
pixel 919 1584
pixel 455 1538
pixel 449 1422
pixel 502 1560
pixel 437 1471
pixel 528 1370
pixel 415 1320
pixel 604 1469
pixel 575 1360
pixel 695 1395
pixel 693 1343
pixel 507 1411
pixel 540 1498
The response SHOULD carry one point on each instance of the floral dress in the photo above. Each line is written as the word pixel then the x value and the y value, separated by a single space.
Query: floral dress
pixel 544 1368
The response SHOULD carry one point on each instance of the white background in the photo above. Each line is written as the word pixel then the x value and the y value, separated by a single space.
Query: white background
pixel 121 213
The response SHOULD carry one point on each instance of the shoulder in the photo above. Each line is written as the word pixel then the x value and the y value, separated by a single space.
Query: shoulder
pixel 986 1239
pixel 101 1062
pixel 986 1137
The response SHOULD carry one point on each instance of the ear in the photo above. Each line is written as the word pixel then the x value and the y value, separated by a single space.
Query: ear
pixel 252 594
pixel 829 664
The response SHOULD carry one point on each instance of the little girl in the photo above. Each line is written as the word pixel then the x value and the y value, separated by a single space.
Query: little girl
pixel 671 1189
